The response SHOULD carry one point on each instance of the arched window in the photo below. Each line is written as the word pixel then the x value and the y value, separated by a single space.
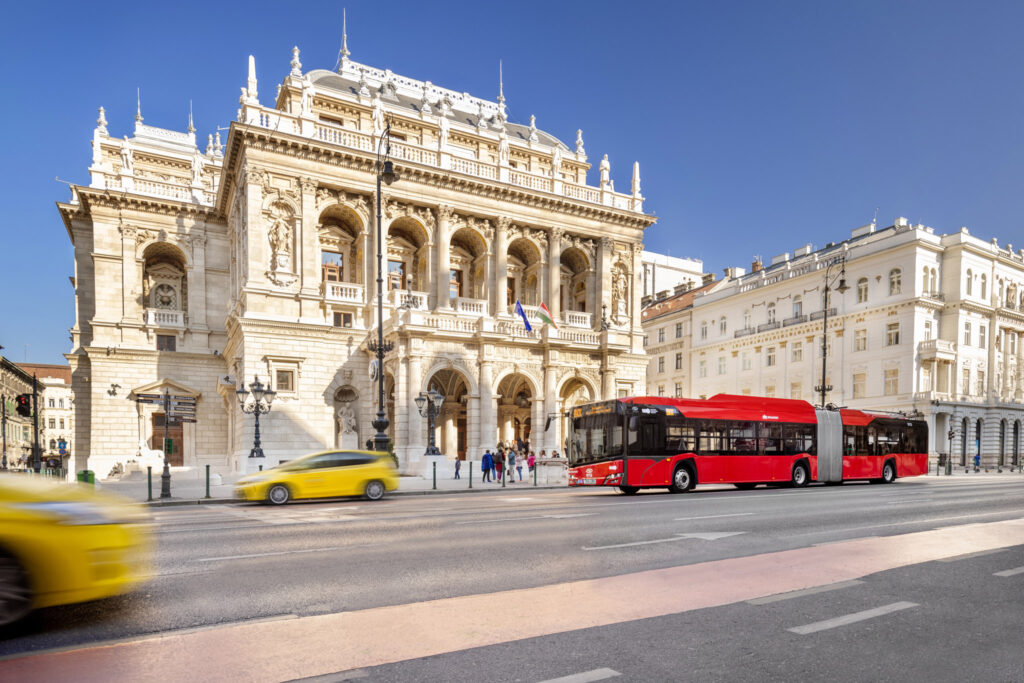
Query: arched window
pixel 862 290
pixel 53 444
pixel 934 288
pixel 1002 443
pixel 895 281
pixel 746 319
pixel 925 281
pixel 969 288
pixel 704 329
pixel 1016 442
pixel 771 312
pixel 984 286
pixel 722 325
pixel 798 306
pixel 977 437
pixel 963 442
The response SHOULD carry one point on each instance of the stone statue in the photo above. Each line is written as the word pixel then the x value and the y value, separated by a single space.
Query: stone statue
pixel 606 169
pixel 579 143
pixel 533 128
pixel 378 114
pixel 347 418
pixel 503 149
pixel 280 237
pixel 126 157
pixel 197 166
pixel 620 290
pixel 307 96
pixel 556 161
pixel 442 135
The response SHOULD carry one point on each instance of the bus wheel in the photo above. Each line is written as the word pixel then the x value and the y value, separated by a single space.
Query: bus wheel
pixel 745 486
pixel 629 490
pixel 888 473
pixel 682 480
pixel 800 476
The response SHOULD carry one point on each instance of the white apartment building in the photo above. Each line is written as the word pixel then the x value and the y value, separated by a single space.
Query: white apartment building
pixel 930 324
pixel 663 274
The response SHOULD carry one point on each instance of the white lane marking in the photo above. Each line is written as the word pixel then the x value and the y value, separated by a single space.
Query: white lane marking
pixel 586 676
pixel 517 500
pixel 851 618
pixel 806 591
pixel 705 536
pixel 908 522
pixel 910 501
pixel 520 519
pixel 1010 572
pixel 967 556
pixel 735 514
pixel 280 552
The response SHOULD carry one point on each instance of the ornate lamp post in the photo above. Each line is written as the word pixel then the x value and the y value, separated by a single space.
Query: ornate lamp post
pixel 429 405
pixel 262 397
pixel 385 172
pixel 841 288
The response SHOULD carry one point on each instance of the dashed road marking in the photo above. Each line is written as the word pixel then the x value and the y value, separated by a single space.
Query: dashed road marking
pixel 279 552
pixel 807 591
pixel 702 535
pixel 1010 572
pixel 851 618
pixel 735 514
pixel 586 676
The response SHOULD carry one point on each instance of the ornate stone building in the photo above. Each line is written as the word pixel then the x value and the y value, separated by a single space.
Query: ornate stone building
pixel 196 270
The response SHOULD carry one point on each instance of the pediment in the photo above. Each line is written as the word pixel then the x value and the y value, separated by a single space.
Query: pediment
pixel 157 387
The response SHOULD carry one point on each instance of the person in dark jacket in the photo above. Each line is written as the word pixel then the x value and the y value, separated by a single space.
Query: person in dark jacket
pixel 486 463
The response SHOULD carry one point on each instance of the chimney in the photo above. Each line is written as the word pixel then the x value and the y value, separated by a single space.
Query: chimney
pixel 707 278
pixel 755 265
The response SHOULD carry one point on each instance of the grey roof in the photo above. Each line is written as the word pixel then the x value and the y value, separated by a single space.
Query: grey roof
pixel 515 131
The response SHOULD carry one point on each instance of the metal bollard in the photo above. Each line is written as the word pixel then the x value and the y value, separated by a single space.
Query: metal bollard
pixel 149 481
pixel 470 474
pixel 261 468
pixel 534 474
pixel 207 481
pixel 435 475
pixel 503 473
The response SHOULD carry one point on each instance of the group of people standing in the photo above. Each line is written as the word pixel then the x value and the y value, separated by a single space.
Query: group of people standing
pixel 507 461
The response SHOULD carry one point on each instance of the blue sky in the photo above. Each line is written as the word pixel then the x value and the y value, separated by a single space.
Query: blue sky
pixel 771 124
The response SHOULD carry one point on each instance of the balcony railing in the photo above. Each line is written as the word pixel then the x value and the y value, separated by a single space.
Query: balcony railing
pixel 470 306
pixel 936 296
pixel 577 319
pixel 795 320
pixel 158 317
pixel 407 298
pixel 931 348
pixel 773 325
pixel 746 331
pixel 818 315
pixel 343 292
pixel 532 312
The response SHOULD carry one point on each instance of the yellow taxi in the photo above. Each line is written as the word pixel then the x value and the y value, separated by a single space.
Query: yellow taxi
pixel 323 475
pixel 62 543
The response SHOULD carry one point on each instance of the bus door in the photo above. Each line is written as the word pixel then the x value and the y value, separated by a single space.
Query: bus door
pixel 648 463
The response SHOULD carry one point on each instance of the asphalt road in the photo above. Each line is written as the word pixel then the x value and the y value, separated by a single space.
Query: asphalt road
pixel 949 620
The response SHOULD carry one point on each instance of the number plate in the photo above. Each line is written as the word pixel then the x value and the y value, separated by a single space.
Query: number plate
pixel 586 481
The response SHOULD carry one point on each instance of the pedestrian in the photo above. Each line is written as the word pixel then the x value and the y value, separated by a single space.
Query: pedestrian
pixel 554 453
pixel 532 461
pixel 511 466
pixel 519 467
pixel 977 461
pixel 458 466
pixel 499 466
pixel 487 464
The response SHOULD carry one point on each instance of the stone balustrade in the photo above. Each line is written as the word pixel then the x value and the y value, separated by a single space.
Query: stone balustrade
pixel 343 292
pixel 158 317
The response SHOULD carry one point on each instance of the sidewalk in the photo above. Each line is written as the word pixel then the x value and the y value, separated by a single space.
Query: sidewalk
pixel 193 491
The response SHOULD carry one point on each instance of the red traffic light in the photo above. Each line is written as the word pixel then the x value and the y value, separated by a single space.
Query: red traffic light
pixel 23 404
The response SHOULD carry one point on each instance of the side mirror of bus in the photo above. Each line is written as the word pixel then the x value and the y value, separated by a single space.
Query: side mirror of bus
pixel 632 423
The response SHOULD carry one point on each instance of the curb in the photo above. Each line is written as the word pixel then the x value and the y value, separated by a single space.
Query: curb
pixel 182 502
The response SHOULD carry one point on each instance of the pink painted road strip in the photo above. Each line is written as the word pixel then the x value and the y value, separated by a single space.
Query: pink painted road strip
pixel 317 645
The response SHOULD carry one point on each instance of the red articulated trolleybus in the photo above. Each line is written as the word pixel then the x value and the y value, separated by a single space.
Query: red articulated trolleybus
pixel 653 441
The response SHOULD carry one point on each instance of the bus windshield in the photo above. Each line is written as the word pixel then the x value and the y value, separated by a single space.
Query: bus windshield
pixel 595 434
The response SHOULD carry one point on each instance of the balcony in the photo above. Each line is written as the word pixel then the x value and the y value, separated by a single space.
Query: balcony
pixel 407 298
pixel 343 293
pixel 577 319
pixel 746 331
pixel 795 320
pixel 818 315
pixel 158 317
pixel 467 306
pixel 773 325
pixel 934 296
pixel 532 312
pixel 937 349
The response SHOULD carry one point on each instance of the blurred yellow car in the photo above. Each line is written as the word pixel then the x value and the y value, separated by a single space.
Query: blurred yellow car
pixel 323 475
pixel 62 543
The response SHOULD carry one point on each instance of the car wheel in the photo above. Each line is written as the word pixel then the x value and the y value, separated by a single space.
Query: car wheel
pixel 629 490
pixel 682 480
pixel 745 486
pixel 15 590
pixel 888 473
pixel 278 494
pixel 374 490
pixel 800 476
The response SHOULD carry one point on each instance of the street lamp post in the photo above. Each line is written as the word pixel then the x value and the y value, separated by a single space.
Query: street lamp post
pixel 385 172
pixel 429 405
pixel 841 288
pixel 262 397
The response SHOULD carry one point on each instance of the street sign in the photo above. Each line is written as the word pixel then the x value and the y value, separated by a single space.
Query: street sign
pixel 184 405
pixel 184 398
pixel 185 419
pixel 149 400
pixel 184 411
pixel 159 397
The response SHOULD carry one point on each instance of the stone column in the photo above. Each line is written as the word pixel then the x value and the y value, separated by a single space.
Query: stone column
pixel 131 278
pixel 258 257
pixel 1006 392
pixel 197 285
pixel 403 402
pixel 549 438
pixel 635 293
pixel 1020 366
pixel 554 301
pixel 487 431
pixel 499 291
pixel 442 243
pixel 307 249
pixel 608 381
pixel 991 387
pixel 605 256
pixel 417 434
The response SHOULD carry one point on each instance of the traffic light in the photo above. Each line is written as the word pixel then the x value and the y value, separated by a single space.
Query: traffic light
pixel 23 404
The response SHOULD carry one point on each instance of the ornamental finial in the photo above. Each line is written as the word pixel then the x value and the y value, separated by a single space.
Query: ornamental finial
pixel 191 127
pixel 138 105
pixel 101 122
pixel 343 53
pixel 296 64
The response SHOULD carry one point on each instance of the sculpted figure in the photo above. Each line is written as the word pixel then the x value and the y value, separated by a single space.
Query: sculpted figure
pixel 126 157
pixel 378 114
pixel 442 124
pixel 347 418
pixel 606 169
pixel 556 161
pixel 503 149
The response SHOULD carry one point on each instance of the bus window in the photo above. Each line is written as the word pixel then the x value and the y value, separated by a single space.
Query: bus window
pixel 712 437
pixel 742 438
pixel 872 439
pixel 771 439
pixel 680 435
pixel 798 438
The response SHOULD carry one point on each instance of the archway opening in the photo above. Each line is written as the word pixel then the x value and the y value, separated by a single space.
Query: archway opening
pixel 407 257
pixel 467 276
pixel 341 249
pixel 524 272
pixel 514 408
pixel 450 428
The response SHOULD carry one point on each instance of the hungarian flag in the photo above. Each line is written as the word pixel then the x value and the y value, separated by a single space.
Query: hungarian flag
pixel 521 312
pixel 545 315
